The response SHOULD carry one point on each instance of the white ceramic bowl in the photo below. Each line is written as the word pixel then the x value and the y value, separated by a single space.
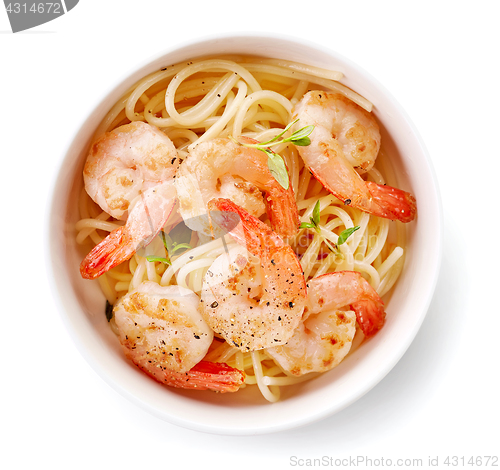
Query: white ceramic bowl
pixel 246 412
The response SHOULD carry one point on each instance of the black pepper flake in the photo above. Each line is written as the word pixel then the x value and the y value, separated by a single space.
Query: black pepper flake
pixel 108 311
pixel 347 202
pixel 279 318
pixel 173 160
pixel 214 304
pixel 273 263
pixel 196 336
pixel 290 304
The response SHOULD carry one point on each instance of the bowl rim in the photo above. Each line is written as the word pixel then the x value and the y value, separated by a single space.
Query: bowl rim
pixel 52 251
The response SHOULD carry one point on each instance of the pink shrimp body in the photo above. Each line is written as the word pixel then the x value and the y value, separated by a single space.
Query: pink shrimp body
pixel 253 306
pixel 345 135
pixel 318 344
pixel 336 290
pixel 162 332
pixel 324 336
pixel 220 168
pixel 129 172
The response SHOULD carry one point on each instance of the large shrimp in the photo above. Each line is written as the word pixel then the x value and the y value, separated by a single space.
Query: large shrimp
pixel 253 306
pixel 344 136
pixel 223 169
pixel 325 335
pixel 129 172
pixel 162 332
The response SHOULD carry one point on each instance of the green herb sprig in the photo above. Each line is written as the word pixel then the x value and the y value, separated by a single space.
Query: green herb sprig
pixel 300 137
pixel 172 246
pixel 345 234
pixel 314 224
pixel 275 162
pixel 152 259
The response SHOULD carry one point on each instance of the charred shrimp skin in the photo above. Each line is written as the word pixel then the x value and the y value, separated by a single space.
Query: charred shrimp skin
pixel 253 305
pixel 163 333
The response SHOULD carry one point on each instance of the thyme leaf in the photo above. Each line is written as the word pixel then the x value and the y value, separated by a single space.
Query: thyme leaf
pixel 345 234
pixel 277 167
pixel 152 259
pixel 275 162
pixel 314 224
pixel 316 213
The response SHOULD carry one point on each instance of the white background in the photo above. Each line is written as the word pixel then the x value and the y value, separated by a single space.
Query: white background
pixel 440 59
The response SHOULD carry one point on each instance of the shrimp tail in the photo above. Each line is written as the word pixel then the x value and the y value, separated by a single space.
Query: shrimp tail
pixel 110 252
pixel 283 213
pixel 392 203
pixel 205 375
pixel 251 232
pixel 370 315
pixel 380 200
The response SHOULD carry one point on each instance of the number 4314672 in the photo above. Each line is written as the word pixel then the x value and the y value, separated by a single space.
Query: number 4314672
pixel 479 461
pixel 40 8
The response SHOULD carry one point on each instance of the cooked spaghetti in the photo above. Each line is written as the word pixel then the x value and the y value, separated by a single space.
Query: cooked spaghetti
pixel 247 97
